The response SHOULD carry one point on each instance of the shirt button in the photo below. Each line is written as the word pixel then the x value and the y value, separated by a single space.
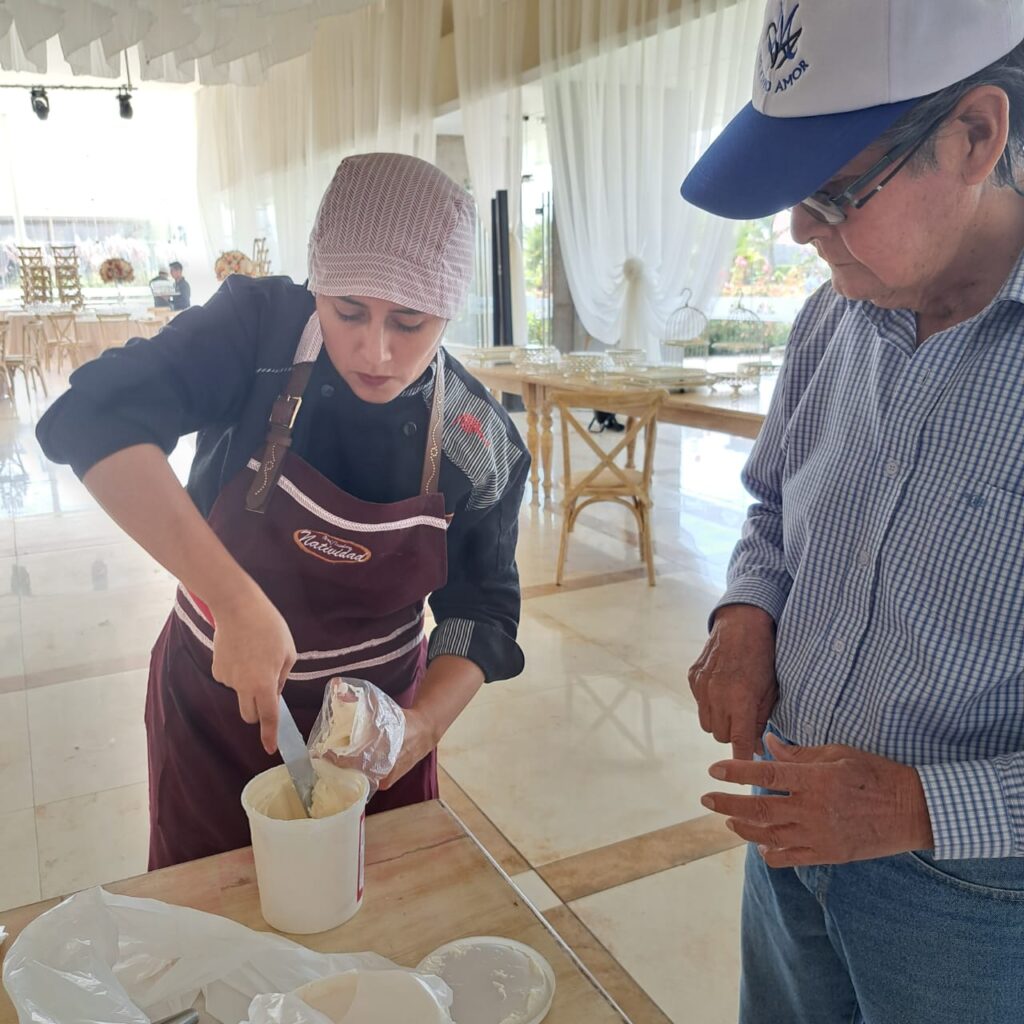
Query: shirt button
pixel 892 468
pixel 409 428
pixel 864 559
pixel 327 391
pixel 838 646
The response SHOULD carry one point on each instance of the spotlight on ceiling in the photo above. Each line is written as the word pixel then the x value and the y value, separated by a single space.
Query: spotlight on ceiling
pixel 40 104
pixel 124 99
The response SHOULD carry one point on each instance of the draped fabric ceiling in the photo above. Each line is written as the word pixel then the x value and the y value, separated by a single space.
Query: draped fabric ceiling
pixel 214 42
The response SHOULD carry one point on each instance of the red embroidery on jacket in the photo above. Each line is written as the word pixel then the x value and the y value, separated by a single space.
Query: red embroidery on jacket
pixel 471 425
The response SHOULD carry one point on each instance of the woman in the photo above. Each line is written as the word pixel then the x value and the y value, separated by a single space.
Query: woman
pixel 346 467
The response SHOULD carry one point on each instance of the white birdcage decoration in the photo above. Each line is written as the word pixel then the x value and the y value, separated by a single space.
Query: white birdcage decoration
pixel 744 331
pixel 686 333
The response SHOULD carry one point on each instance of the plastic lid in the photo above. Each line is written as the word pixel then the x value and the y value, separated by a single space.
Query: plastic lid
pixel 493 980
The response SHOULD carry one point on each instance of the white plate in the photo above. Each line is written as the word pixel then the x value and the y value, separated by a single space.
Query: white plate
pixel 501 962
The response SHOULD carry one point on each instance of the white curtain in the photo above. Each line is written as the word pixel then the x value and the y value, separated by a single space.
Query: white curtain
pixel 267 152
pixel 633 92
pixel 489 36
pixel 222 42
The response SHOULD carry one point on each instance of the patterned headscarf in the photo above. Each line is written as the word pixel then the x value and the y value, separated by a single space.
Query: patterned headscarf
pixel 394 227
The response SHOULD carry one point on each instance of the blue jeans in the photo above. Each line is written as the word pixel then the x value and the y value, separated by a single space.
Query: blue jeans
pixel 897 940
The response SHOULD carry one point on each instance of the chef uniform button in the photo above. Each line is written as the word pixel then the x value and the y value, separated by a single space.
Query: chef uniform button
pixel 327 390
pixel 409 428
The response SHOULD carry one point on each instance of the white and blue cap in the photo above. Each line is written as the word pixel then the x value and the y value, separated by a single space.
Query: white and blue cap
pixel 831 76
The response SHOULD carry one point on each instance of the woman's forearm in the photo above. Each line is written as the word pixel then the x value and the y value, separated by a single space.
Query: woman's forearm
pixel 140 492
pixel 448 686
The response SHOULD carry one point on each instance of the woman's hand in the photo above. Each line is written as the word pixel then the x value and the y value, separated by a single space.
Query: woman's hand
pixel 446 689
pixel 420 739
pixel 253 652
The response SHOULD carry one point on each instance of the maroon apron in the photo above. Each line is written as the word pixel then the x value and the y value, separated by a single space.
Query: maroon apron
pixel 348 576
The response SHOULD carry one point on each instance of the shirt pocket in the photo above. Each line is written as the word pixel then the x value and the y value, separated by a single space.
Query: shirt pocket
pixel 977 564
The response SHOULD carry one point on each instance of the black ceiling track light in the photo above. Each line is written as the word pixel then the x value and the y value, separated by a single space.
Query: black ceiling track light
pixel 40 103
pixel 41 98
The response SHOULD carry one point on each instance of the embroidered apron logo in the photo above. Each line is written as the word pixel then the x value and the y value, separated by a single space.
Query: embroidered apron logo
pixel 331 549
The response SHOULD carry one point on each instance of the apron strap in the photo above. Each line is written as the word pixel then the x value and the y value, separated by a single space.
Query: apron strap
pixel 282 420
pixel 435 431
pixel 279 437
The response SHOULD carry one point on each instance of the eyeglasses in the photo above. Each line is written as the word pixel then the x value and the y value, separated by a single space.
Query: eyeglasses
pixel 832 209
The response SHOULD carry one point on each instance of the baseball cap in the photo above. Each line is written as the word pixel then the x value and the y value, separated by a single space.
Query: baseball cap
pixel 829 78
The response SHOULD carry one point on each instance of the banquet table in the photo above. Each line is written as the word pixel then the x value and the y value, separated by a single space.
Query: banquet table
pixel 721 410
pixel 93 334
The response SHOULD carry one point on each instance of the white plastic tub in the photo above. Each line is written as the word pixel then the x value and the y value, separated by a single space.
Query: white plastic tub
pixel 309 870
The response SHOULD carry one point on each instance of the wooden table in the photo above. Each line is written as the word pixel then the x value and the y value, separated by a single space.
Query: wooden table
pixel 427 882
pixel 93 336
pixel 741 415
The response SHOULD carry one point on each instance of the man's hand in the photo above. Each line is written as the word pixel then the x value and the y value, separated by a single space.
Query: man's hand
pixel 733 680
pixel 841 805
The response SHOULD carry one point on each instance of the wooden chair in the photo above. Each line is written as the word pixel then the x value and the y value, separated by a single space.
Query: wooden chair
pixel 110 337
pixel 611 478
pixel 27 362
pixel 63 341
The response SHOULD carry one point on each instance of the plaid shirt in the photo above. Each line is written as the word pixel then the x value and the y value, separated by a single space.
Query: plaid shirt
pixel 887 539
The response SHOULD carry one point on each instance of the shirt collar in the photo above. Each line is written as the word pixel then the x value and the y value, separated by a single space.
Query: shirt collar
pixel 1011 291
pixel 425 384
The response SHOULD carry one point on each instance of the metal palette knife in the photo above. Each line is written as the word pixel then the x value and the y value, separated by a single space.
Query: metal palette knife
pixel 296 756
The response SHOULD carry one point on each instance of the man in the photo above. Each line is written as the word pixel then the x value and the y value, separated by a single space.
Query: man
pixel 182 297
pixel 162 288
pixel 874 618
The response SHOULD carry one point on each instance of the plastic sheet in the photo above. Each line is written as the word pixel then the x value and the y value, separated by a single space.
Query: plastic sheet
pixel 98 958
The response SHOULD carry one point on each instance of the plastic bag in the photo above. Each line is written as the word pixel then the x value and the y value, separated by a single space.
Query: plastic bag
pixel 360 997
pixel 359 726
pixel 98 958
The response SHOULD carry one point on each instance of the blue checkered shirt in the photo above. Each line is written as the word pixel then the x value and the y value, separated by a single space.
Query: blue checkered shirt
pixel 887 541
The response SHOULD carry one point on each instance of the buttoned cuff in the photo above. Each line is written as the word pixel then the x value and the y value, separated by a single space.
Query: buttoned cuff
pixel 762 593
pixel 969 810
pixel 493 650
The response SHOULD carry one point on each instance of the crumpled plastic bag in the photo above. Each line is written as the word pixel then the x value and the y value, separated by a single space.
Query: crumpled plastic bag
pixel 387 1000
pixel 360 727
pixel 99 958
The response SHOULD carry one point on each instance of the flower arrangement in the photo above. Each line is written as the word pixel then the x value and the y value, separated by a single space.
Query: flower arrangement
pixel 233 262
pixel 116 271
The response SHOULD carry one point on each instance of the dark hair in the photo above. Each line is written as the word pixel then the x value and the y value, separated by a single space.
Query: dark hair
pixel 1007 74
pixel 175 265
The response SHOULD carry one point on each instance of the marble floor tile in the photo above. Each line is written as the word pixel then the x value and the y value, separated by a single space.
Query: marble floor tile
pixel 15 757
pixel 606 756
pixel 88 735
pixel 79 528
pixel 626 861
pixel 92 839
pixel 536 890
pixel 677 933
pixel 92 611
pixel 19 860
pixel 7 549
pixel 652 628
pixel 12 663
pixel 555 655
pixel 591 551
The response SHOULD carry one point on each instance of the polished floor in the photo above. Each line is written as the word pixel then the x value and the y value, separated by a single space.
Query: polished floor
pixel 582 777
